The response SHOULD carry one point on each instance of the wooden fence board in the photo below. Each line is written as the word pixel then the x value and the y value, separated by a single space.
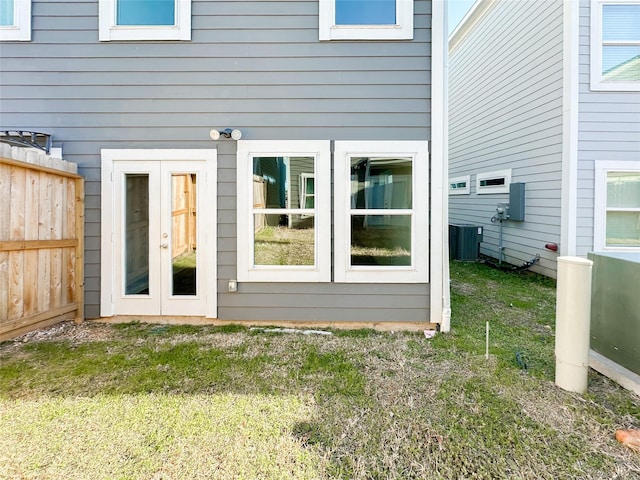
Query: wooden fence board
pixel 41 246
pixel 5 227
pixel 16 284
pixel 30 284
pixel 44 233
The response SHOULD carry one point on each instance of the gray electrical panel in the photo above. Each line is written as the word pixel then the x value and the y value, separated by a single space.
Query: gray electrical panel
pixel 516 202
pixel 464 242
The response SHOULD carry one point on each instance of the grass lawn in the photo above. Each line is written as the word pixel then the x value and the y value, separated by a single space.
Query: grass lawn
pixel 139 401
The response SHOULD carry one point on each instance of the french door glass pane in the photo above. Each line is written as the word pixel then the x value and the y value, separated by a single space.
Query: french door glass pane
pixel 275 181
pixel 145 12
pixel 623 190
pixel 623 229
pixel 381 240
pixel 381 183
pixel 366 12
pixel 183 234
pixel 137 234
pixel 283 239
pixel 6 13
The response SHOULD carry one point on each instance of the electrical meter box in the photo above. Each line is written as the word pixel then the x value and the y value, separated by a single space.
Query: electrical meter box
pixel 464 242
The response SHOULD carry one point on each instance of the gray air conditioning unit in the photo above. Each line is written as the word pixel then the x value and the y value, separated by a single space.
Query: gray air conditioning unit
pixel 464 242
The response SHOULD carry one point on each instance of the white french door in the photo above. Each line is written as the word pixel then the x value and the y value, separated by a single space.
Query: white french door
pixel 163 233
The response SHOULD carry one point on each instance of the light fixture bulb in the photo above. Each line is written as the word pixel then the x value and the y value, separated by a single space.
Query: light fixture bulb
pixel 236 134
pixel 214 134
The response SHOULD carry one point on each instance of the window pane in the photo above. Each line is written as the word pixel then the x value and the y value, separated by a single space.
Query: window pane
pixel 381 240
pixel 623 229
pixel 284 239
pixel 380 183
pixel 6 13
pixel 366 12
pixel 137 234
pixel 621 63
pixel 145 12
pixel 621 22
pixel 623 190
pixel 183 234
pixel 276 181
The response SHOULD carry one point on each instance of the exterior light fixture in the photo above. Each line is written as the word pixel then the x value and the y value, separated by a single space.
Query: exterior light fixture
pixel 234 134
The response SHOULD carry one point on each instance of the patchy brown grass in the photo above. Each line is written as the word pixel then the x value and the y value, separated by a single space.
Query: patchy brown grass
pixel 147 401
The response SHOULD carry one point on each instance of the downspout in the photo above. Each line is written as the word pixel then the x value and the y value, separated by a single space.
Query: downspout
pixel 439 211
pixel 570 86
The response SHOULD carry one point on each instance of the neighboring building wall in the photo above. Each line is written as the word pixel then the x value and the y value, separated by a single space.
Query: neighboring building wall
pixel 608 129
pixel 257 66
pixel 505 112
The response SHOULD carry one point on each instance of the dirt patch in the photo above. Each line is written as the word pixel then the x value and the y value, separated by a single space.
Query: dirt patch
pixel 70 331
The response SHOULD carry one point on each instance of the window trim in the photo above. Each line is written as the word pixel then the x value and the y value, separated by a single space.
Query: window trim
pixel 595 49
pixel 418 272
pixel 602 169
pixel 466 190
pixel 109 31
pixel 247 150
pixel 489 189
pixel 402 30
pixel 20 31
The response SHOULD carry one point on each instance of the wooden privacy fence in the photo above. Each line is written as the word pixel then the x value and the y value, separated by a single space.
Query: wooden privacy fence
pixel 41 241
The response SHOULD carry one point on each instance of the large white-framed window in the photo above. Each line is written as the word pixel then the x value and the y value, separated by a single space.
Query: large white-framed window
pixel 493 182
pixel 15 20
pixel 460 185
pixel 616 206
pixel 381 212
pixel 284 211
pixel 144 20
pixel 615 45
pixel 366 20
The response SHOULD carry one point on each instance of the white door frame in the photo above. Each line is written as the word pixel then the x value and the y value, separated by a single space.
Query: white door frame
pixel 204 164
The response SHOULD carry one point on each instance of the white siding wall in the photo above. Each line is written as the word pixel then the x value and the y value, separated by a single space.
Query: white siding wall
pixel 608 129
pixel 505 106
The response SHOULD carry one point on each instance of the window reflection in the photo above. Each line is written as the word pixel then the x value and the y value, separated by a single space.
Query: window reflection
pixel 183 234
pixel 381 240
pixel 283 182
pixel 284 239
pixel 287 185
pixel 380 183
pixel 136 234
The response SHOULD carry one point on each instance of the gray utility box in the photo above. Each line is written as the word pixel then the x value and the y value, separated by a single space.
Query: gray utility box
pixel 464 242
pixel 516 202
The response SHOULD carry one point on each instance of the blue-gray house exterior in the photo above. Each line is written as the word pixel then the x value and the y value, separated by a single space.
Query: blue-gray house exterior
pixel 257 66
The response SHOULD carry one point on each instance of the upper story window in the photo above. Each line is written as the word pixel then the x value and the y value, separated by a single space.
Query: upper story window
pixel 15 20
pixel 284 211
pixel 615 45
pixel 366 19
pixel 145 20
pixel 617 207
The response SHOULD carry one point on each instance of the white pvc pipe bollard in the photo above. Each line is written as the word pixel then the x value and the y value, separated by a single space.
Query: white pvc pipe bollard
pixel 573 319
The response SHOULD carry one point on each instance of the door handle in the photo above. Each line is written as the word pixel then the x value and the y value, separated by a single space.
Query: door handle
pixel 164 245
